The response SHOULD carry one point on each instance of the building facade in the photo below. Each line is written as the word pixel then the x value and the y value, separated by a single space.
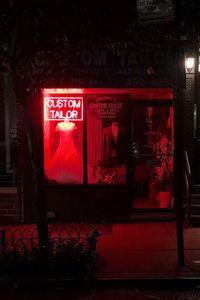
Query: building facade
pixel 97 120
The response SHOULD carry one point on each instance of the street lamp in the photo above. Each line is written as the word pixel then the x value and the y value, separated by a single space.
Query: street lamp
pixel 189 65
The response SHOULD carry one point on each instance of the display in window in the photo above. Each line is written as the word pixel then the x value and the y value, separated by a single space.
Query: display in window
pixel 106 141
pixel 63 140
pixel 152 134
pixel 65 165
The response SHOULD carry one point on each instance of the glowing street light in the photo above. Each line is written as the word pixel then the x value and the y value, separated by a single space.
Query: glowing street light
pixel 189 64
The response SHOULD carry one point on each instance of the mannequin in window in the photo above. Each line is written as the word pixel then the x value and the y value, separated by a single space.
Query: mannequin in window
pixel 164 154
pixel 66 164
pixel 114 143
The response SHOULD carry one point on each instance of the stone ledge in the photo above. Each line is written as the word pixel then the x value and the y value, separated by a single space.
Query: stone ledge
pixel 8 190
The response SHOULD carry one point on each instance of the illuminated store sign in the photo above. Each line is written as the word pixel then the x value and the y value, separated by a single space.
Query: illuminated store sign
pixel 62 108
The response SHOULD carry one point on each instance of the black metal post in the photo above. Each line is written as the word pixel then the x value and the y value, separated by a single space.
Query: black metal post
pixel 178 142
pixel 196 164
pixel 3 243
pixel 42 223
pixel 35 137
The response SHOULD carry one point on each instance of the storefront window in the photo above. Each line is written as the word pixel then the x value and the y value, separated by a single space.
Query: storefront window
pixel 153 141
pixel 106 140
pixel 63 139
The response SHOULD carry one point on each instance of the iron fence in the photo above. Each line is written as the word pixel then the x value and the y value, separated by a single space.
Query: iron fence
pixel 71 248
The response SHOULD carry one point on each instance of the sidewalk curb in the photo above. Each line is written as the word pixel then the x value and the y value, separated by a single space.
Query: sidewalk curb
pixel 45 283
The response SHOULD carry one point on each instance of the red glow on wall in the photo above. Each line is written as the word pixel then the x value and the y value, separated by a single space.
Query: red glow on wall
pixel 62 91
pixel 62 108
pixel 136 93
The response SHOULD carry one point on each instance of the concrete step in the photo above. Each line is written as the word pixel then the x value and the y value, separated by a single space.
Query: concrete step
pixel 8 190
pixel 9 219
pixel 9 202
pixel 9 211
pixel 8 195
pixel 6 180
pixel 147 217
pixel 8 205
pixel 195 220
pixel 195 209
pixel 195 198
pixel 196 188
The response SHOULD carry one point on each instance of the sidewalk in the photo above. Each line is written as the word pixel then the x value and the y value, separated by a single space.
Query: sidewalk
pixel 139 251
pixel 146 251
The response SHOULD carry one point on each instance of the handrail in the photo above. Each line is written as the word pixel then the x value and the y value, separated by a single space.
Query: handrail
pixel 7 177
pixel 187 163
pixel 187 185
pixel 11 178
pixel 4 166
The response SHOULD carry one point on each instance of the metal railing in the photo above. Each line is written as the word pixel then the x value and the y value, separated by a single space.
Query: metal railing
pixel 8 175
pixel 70 248
pixel 10 178
pixel 187 187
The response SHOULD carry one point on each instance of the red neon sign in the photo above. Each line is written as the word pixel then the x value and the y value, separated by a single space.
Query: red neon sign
pixel 63 108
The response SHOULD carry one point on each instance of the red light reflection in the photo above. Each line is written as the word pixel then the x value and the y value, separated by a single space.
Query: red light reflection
pixel 62 91
pixel 65 166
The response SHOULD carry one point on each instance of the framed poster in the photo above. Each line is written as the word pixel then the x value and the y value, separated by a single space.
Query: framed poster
pixel 106 139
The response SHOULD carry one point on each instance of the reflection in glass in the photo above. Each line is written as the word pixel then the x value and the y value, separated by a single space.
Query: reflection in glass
pixel 152 132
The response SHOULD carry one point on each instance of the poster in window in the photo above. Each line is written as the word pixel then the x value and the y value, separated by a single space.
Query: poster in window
pixel 106 140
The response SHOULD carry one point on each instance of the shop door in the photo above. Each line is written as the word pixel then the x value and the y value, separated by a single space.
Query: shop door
pixel 152 144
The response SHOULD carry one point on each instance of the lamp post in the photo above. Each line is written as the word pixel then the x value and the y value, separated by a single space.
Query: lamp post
pixel 178 138
pixel 190 107
pixel 196 165
pixel 197 97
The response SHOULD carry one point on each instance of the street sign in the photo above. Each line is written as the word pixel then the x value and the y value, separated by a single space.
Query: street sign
pixel 155 11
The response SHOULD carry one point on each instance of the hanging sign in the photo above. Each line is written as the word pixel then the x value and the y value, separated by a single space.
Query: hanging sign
pixel 155 11
pixel 62 108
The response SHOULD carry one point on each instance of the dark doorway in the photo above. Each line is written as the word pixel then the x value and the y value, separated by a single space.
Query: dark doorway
pixel 152 144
